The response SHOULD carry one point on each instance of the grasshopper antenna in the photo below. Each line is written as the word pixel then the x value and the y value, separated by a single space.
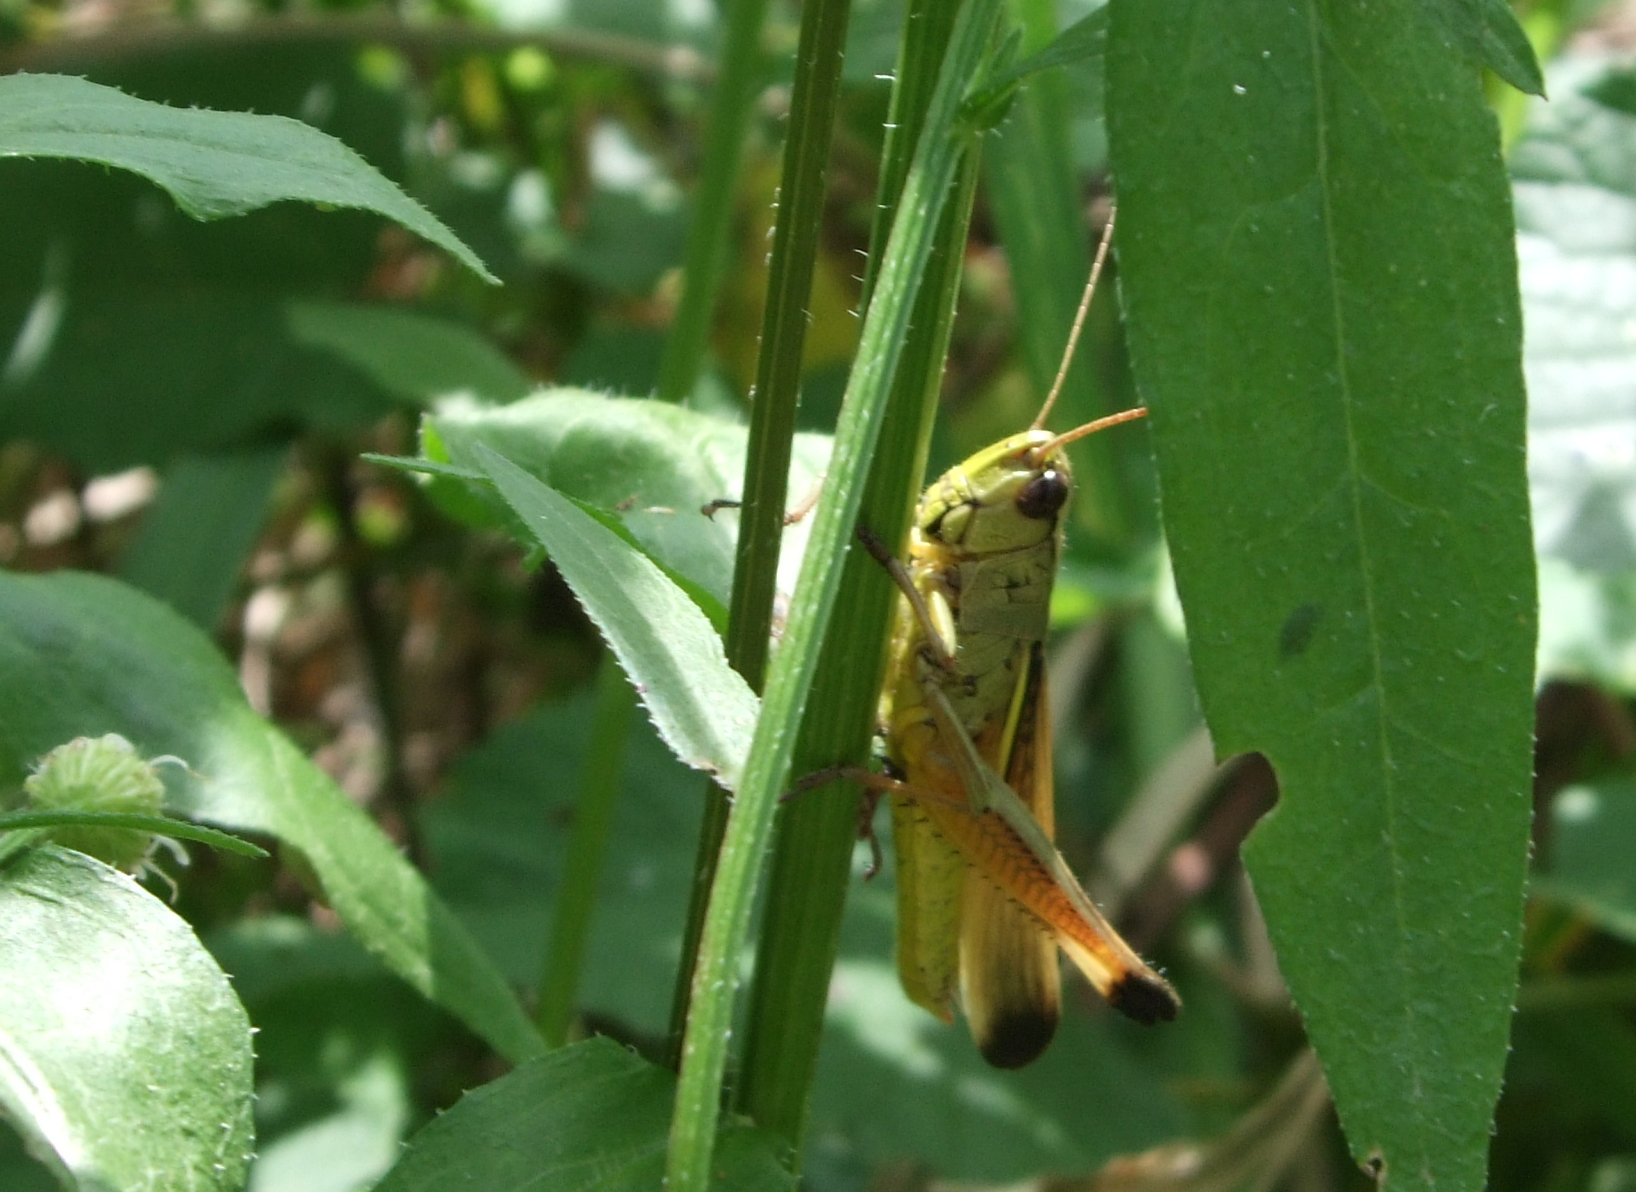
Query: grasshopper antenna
pixel 1090 428
pixel 1079 321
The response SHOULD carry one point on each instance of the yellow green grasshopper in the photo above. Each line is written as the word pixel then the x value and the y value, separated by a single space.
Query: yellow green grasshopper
pixel 985 900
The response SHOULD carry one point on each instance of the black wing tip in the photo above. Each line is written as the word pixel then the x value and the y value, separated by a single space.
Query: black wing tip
pixel 1017 1040
pixel 1147 999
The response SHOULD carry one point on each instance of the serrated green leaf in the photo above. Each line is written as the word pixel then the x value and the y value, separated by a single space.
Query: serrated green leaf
pixel 1487 33
pixel 592 1117
pixel 124 1056
pixel 84 655
pixel 701 706
pixel 214 164
pixel 1317 264
pixel 656 463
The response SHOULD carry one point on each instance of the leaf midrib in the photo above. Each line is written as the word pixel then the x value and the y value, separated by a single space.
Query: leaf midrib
pixel 1354 484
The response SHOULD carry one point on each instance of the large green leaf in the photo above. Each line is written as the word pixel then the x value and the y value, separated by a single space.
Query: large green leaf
pixel 82 655
pixel 214 164
pixel 1317 264
pixel 124 1056
pixel 591 1117
pixel 497 838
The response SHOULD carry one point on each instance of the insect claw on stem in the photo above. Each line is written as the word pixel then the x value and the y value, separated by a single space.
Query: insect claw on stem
pixel 711 508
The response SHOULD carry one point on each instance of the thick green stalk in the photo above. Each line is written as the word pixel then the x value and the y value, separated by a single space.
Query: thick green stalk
pixel 816 88
pixel 926 28
pixel 800 930
pixel 710 227
pixel 789 682
pixel 587 848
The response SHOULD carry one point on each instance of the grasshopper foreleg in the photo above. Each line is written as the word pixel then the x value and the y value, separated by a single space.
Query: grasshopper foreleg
pixel 941 651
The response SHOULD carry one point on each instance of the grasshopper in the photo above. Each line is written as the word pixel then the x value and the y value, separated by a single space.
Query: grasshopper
pixel 985 900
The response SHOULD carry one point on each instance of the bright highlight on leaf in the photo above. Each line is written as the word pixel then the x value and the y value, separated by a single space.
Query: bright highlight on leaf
pixel 124 1055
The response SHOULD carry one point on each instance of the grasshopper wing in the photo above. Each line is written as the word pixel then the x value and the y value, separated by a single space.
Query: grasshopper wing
pixel 1010 984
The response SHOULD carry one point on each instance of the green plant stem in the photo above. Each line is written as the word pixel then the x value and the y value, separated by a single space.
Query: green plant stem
pixel 587 849
pixel 926 29
pixel 789 683
pixel 811 865
pixel 801 191
pixel 711 223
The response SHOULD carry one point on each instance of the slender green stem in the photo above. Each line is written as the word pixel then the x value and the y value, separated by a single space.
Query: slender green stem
pixel 29 826
pixel 789 682
pixel 710 227
pixel 587 848
pixel 813 97
pixel 926 28
pixel 800 931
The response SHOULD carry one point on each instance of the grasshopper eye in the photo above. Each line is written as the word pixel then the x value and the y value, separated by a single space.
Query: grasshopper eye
pixel 1044 496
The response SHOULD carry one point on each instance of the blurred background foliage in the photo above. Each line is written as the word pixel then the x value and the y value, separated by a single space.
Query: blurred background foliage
pixel 183 405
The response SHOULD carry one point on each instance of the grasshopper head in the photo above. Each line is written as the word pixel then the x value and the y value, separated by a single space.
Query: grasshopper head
pixel 1006 497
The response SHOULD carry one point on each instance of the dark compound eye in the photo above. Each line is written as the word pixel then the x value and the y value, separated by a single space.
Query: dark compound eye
pixel 1043 496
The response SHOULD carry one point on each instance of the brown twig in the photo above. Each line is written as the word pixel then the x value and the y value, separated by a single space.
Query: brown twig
pixel 148 38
